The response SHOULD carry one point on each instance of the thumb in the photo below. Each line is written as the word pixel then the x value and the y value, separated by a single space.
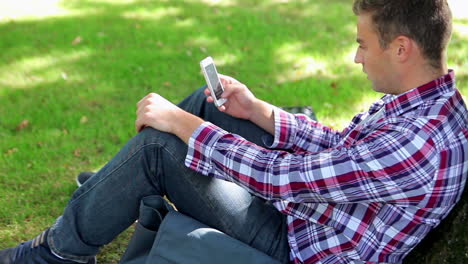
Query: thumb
pixel 231 89
pixel 226 94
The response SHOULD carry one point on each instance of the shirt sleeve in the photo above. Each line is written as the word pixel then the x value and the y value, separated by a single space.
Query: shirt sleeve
pixel 297 131
pixel 389 165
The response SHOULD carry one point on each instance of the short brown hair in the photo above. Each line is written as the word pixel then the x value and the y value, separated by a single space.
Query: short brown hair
pixel 428 22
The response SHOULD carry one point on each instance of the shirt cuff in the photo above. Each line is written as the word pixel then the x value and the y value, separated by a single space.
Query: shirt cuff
pixel 201 146
pixel 285 129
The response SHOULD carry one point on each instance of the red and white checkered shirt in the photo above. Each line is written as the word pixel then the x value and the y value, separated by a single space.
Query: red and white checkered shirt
pixel 367 194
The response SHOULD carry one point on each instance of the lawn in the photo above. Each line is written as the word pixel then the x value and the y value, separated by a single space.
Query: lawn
pixel 72 71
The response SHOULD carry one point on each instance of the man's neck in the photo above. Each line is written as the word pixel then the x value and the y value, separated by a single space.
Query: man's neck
pixel 418 76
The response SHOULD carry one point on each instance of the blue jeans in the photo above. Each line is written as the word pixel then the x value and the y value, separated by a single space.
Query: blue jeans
pixel 152 163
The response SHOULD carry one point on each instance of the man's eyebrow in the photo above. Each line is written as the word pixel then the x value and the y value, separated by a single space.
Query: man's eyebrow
pixel 358 40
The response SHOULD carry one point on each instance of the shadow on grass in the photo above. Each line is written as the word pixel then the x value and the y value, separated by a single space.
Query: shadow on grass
pixel 129 49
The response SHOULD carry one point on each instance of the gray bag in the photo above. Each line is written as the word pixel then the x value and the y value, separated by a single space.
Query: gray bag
pixel 163 235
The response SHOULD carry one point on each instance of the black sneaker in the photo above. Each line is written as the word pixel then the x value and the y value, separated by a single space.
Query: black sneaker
pixel 83 177
pixel 34 251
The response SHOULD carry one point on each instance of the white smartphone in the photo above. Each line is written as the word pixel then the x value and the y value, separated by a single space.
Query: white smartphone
pixel 212 80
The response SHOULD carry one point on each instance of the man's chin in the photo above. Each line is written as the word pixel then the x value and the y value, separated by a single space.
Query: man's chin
pixel 376 87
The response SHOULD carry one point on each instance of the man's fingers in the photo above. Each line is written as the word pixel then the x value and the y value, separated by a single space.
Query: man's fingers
pixel 224 81
pixel 144 99
pixel 227 79
pixel 209 99
pixel 141 108
pixel 139 125
pixel 149 99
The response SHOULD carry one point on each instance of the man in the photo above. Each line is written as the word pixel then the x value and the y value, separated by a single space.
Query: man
pixel 303 193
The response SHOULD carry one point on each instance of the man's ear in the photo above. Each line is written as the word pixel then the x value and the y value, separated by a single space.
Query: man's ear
pixel 402 48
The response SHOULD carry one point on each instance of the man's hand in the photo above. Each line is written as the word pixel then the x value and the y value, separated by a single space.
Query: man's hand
pixel 243 104
pixel 157 112
pixel 240 101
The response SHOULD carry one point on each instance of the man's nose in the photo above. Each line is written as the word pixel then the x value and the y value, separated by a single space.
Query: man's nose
pixel 357 57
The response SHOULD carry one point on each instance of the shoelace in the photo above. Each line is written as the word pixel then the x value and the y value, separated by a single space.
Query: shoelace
pixel 24 248
pixel 40 239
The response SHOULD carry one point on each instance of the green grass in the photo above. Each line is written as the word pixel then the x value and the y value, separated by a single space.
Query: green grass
pixel 75 70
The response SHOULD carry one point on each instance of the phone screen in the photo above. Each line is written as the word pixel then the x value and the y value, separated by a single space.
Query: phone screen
pixel 214 80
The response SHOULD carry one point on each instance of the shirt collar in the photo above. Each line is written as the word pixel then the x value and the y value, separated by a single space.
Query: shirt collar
pixel 398 104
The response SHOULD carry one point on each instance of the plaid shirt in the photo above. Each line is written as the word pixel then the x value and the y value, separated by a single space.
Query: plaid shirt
pixel 367 194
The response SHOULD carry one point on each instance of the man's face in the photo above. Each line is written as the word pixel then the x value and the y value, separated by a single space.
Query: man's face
pixel 376 62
